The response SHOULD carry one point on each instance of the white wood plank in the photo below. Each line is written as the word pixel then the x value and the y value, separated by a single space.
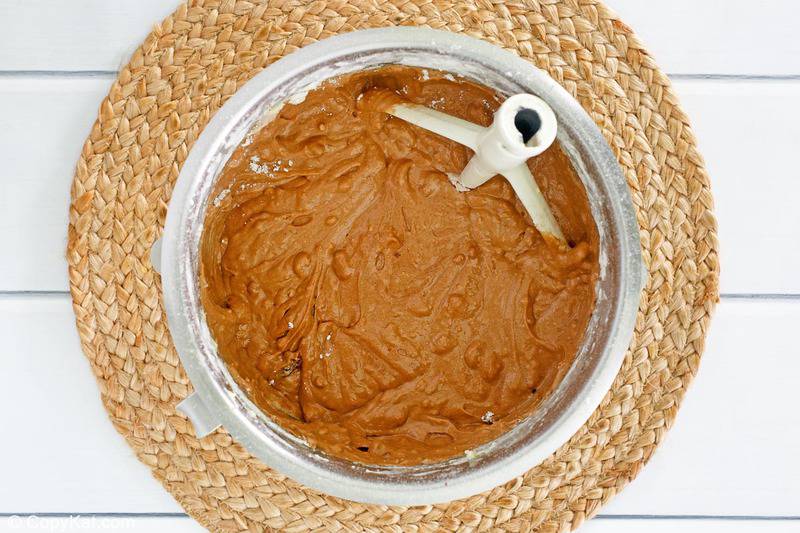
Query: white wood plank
pixel 661 525
pixel 685 36
pixel 734 447
pixel 755 184
pixel 45 121
pixel 749 133
pixel 733 450
pixel 92 523
pixel 717 36
pixel 146 524
pixel 75 35
pixel 59 451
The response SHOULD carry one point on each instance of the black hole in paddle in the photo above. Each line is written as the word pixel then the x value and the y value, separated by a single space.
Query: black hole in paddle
pixel 528 123
pixel 363 448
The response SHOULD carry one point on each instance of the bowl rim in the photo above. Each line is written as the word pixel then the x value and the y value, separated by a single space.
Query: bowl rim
pixel 221 396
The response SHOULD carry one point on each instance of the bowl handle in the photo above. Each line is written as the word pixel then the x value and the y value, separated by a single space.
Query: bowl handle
pixel 155 256
pixel 199 415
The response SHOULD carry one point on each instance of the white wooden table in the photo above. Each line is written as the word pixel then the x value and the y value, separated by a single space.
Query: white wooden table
pixel 732 461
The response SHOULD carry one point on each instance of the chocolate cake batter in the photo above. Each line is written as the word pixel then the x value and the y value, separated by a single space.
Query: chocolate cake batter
pixel 368 306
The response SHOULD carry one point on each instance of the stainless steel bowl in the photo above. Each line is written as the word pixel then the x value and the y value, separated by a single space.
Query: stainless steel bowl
pixel 218 400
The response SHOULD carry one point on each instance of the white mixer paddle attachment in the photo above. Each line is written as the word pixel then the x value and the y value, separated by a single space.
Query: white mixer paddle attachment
pixel 524 126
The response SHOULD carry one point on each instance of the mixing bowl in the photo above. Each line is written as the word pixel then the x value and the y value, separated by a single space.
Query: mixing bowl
pixel 218 400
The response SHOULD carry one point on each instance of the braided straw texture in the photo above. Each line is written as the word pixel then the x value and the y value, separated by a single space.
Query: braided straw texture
pixel 187 68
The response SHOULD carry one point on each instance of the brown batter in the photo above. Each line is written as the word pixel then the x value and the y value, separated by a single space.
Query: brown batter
pixel 367 305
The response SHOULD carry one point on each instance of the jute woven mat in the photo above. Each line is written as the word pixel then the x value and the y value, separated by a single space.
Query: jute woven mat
pixel 186 69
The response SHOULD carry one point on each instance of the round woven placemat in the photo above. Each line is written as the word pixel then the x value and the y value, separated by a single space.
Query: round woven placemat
pixel 186 69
